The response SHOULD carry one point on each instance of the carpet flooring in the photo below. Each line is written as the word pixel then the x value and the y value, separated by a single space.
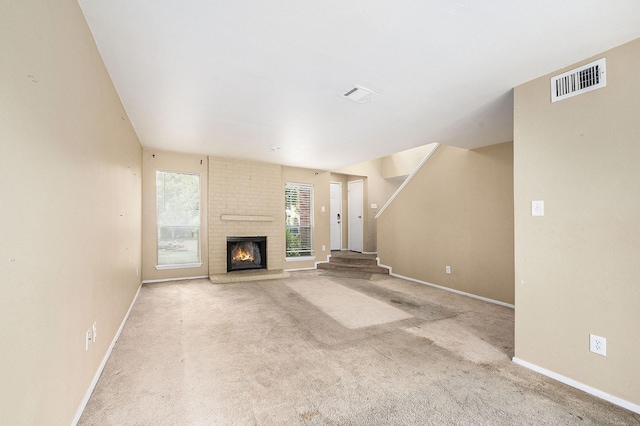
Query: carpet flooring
pixel 310 350
pixel 349 307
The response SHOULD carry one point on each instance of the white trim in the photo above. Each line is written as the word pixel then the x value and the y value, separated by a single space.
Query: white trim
pixel 174 279
pixel 381 265
pixel 370 252
pixel 323 261
pixel 351 226
pixel 332 182
pixel 406 181
pixel 301 269
pixel 585 388
pixel 462 293
pixel 94 382
pixel 299 258
pixel 180 266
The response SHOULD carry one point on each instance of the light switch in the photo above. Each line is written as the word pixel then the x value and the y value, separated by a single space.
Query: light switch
pixel 374 206
pixel 323 209
pixel 537 208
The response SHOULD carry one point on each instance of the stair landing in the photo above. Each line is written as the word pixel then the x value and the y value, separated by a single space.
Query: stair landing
pixel 354 262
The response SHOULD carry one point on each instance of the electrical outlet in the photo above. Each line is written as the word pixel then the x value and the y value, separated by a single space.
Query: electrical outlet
pixel 447 269
pixel 598 345
pixel 88 338
pixel 95 331
pixel 323 248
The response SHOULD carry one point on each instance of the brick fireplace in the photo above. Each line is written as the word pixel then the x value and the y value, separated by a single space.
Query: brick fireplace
pixel 245 199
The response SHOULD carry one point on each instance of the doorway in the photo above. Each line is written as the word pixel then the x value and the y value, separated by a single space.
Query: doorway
pixel 335 208
pixel 355 207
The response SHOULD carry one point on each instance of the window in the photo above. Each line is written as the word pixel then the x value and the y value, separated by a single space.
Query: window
pixel 178 197
pixel 299 219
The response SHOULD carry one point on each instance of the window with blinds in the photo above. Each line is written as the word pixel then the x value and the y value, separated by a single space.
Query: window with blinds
pixel 299 219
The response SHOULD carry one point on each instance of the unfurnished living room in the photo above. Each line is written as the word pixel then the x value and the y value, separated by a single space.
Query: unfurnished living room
pixel 329 213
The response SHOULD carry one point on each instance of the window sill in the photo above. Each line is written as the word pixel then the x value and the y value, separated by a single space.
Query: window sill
pixel 181 266
pixel 299 258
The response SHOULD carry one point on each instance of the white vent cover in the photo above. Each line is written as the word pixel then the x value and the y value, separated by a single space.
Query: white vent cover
pixel 359 94
pixel 580 80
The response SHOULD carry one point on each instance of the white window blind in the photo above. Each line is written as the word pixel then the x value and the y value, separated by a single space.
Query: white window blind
pixel 299 219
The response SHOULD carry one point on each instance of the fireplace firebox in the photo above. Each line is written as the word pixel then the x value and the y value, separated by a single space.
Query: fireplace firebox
pixel 246 253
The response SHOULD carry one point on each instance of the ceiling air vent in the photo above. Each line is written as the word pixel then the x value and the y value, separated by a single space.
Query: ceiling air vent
pixel 580 80
pixel 359 94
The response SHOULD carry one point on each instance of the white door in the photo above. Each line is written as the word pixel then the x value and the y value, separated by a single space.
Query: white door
pixel 355 215
pixel 336 215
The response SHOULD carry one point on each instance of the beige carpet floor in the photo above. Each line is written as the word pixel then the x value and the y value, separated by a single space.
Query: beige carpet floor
pixel 311 350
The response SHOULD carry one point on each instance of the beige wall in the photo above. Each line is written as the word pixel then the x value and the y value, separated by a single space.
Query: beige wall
pixel 240 190
pixel 377 190
pixel 70 189
pixel 403 163
pixel 321 226
pixel 577 267
pixel 153 161
pixel 457 210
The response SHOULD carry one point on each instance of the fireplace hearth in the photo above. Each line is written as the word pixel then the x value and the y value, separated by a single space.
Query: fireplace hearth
pixel 246 253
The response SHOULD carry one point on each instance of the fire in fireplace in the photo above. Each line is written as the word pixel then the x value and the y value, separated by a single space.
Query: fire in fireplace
pixel 246 253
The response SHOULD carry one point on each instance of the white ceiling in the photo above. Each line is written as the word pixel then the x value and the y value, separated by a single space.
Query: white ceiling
pixel 231 78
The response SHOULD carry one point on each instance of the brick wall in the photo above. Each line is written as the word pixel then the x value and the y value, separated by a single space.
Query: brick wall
pixel 245 199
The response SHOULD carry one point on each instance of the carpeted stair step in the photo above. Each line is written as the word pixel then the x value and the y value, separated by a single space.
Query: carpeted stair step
pixel 345 266
pixel 353 260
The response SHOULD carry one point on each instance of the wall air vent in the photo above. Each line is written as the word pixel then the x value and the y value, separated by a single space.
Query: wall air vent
pixel 580 80
pixel 359 94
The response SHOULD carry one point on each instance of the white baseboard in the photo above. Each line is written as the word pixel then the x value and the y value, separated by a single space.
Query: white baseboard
pixel 164 280
pixel 94 382
pixel 573 383
pixel 323 261
pixel 315 265
pixel 302 269
pixel 462 293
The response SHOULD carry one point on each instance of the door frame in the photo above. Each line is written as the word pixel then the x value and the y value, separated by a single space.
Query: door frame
pixel 341 220
pixel 351 210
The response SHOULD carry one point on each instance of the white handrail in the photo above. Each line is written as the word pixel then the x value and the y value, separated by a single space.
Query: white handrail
pixel 406 181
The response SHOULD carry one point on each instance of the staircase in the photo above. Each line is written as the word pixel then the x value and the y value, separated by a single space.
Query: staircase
pixel 353 262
